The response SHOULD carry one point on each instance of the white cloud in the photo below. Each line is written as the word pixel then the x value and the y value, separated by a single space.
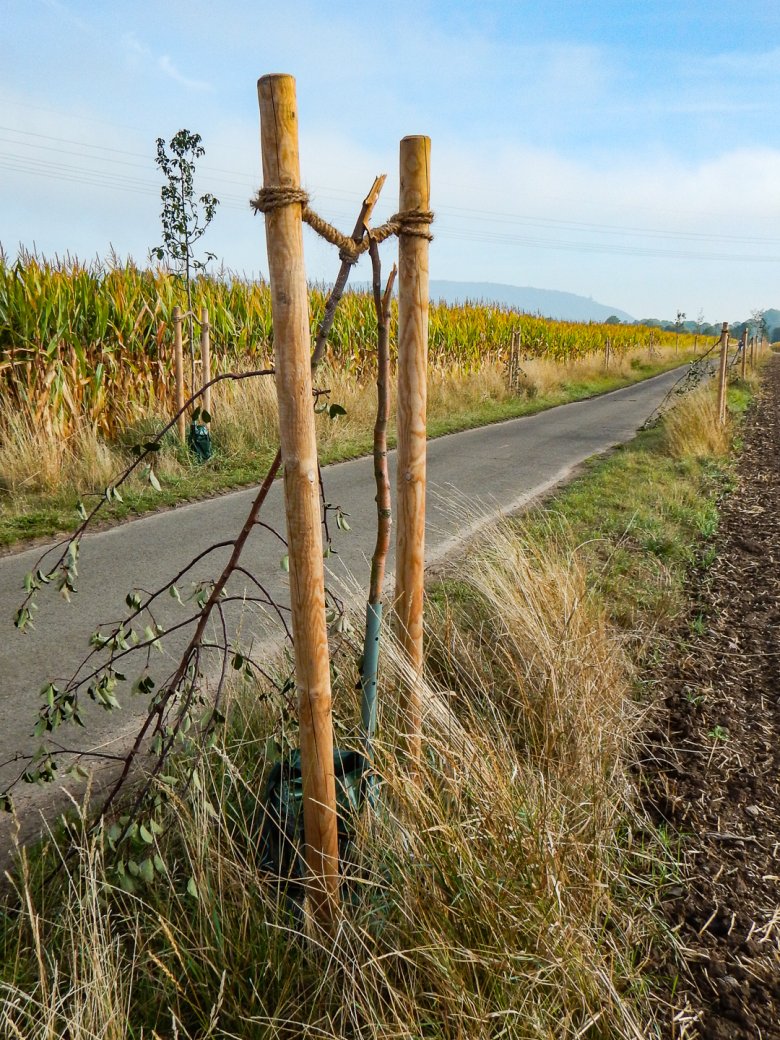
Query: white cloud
pixel 165 65
pixel 139 52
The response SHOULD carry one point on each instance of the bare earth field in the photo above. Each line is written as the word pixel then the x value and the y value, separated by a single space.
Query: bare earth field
pixel 713 762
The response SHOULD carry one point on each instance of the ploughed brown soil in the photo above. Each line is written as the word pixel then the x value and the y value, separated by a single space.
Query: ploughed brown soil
pixel 713 768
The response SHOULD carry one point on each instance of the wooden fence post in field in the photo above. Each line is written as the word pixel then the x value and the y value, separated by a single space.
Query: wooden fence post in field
pixel 744 349
pixel 413 294
pixel 752 351
pixel 205 357
pixel 290 310
pixel 178 361
pixel 723 372
pixel 514 361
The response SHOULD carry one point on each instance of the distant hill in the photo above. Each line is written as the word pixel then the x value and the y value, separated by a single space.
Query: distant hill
pixel 548 302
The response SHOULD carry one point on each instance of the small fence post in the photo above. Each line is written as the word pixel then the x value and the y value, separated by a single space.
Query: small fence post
pixel 178 361
pixel 744 346
pixel 723 373
pixel 607 352
pixel 413 296
pixel 290 310
pixel 205 357
pixel 752 351
pixel 514 362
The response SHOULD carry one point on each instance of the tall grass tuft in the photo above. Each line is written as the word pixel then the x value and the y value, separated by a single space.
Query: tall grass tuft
pixel 692 428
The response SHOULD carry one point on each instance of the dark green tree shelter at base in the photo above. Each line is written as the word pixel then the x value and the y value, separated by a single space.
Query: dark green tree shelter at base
pixel 183 226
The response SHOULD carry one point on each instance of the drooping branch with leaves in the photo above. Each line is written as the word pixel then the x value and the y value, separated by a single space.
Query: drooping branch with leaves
pixel 179 715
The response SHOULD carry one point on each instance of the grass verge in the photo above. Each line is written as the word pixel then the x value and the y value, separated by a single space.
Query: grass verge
pixel 44 476
pixel 510 894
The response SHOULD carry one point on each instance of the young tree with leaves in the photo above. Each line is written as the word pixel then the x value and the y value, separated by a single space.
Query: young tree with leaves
pixel 183 223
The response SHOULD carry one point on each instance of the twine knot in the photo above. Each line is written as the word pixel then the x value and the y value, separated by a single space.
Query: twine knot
pixel 268 199
pixel 413 222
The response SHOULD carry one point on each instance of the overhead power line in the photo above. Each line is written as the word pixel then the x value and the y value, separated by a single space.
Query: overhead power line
pixel 452 221
pixel 467 213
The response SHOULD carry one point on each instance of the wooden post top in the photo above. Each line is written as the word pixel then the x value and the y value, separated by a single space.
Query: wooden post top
pixel 279 130
pixel 415 171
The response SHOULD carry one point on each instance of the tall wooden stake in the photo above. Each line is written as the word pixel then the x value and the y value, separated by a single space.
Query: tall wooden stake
pixel 722 374
pixel 413 292
pixel 205 357
pixel 178 361
pixel 290 309
pixel 744 348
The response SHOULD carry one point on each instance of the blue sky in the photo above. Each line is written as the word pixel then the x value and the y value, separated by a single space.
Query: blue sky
pixel 626 151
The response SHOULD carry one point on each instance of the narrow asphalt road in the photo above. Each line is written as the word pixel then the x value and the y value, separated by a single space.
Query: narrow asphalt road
pixel 472 476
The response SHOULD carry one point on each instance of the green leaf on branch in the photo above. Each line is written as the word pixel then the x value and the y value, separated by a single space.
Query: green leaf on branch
pixel 23 617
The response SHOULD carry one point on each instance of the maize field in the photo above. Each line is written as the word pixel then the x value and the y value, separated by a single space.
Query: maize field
pixel 94 341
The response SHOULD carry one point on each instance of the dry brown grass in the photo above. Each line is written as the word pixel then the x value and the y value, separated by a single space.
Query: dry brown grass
pixel 37 461
pixel 33 458
pixel 541 376
pixel 692 427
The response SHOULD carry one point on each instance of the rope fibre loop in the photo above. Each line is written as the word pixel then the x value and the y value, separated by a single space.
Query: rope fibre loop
pixel 411 222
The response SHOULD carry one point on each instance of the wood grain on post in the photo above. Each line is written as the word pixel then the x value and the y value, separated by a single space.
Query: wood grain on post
pixel 178 362
pixel 205 357
pixel 723 372
pixel 290 309
pixel 413 294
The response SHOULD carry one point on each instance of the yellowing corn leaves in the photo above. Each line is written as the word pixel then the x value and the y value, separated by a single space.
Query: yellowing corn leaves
pixel 92 342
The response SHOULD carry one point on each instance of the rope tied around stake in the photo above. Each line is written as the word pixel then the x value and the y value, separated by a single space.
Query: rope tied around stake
pixel 413 222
